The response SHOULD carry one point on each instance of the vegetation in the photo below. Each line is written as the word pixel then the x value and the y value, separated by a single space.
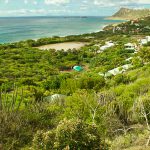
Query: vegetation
pixel 128 14
pixel 133 27
pixel 45 104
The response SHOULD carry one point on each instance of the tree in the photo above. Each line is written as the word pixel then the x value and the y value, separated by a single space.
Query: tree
pixel 70 134
pixel 144 53
pixel 91 81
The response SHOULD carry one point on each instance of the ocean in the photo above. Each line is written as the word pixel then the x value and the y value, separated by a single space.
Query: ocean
pixel 13 29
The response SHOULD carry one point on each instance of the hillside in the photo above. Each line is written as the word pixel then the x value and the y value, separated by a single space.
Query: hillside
pixel 45 104
pixel 133 27
pixel 129 14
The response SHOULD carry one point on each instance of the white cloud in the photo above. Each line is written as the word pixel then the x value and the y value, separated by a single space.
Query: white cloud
pixel 85 1
pixel 10 12
pixel 6 1
pixel 111 3
pixel 26 1
pixel 143 1
pixel 56 2
pixel 83 8
pixel 31 12
pixel 35 2
pixel 103 3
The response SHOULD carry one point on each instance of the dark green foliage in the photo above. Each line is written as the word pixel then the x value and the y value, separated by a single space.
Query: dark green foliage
pixel 91 81
pixel 94 110
pixel 19 123
pixel 70 134
pixel 144 53
pixel 121 78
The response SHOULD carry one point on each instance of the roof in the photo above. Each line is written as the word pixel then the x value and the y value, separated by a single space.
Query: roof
pixel 107 45
pixel 144 41
pixel 57 96
pixel 129 44
pixel 101 74
pixel 54 97
pixel 108 74
pixel 117 70
pixel 104 47
pixel 130 58
pixel 148 38
pixel 77 68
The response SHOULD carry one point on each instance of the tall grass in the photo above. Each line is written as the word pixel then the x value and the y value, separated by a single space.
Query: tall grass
pixel 10 116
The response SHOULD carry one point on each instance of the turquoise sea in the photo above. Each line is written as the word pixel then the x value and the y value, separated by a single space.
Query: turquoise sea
pixel 14 29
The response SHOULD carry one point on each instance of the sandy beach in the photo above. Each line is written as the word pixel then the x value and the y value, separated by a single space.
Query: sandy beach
pixel 65 46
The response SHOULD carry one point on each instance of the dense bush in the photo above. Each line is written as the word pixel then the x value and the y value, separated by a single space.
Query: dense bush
pixel 70 134
pixel 94 110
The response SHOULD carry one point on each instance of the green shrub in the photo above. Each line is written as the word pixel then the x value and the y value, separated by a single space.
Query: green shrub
pixel 70 134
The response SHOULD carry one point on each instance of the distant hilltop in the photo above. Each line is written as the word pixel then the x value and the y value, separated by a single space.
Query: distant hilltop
pixel 130 14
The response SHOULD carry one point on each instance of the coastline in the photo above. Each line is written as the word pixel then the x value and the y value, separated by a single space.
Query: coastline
pixel 50 28
pixel 101 29
pixel 118 18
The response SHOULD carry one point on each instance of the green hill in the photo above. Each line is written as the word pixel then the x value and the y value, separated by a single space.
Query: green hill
pixel 133 27
pixel 46 105
pixel 128 14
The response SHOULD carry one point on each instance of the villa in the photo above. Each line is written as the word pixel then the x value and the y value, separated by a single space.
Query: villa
pixel 130 46
pixel 129 59
pixel 145 40
pixel 107 45
pixel 116 71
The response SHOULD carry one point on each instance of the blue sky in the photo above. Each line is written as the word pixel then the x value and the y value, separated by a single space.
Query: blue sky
pixel 67 7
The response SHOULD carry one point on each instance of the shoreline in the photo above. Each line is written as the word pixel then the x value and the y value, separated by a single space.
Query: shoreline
pixel 117 18
pixel 100 29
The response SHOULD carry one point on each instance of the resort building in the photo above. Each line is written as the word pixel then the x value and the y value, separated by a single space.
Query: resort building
pixel 145 40
pixel 148 38
pixel 116 71
pixel 130 46
pixel 129 59
pixel 55 98
pixel 107 45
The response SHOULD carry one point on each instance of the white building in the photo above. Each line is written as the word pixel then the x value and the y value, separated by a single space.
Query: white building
pixel 145 40
pixel 129 59
pixel 107 45
pixel 130 46
pixel 56 98
pixel 116 71
pixel 148 38
pixel 119 70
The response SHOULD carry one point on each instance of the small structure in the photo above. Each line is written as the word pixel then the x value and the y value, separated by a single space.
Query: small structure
pixel 145 40
pixel 126 67
pixel 56 98
pixel 101 74
pixel 107 45
pixel 116 71
pixel 129 59
pixel 102 48
pixel 78 68
pixel 130 46
pixel 108 74
pixel 148 38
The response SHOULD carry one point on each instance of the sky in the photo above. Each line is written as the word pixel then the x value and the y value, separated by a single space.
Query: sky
pixel 67 7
